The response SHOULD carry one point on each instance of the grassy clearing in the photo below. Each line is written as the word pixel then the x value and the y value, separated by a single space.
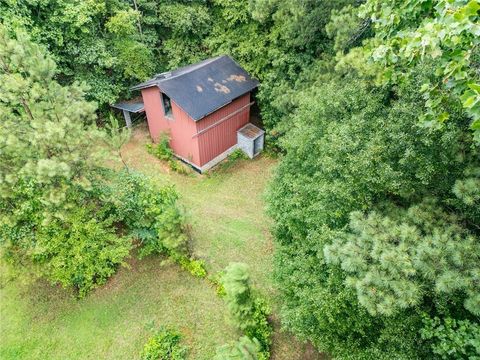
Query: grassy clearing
pixel 226 211
pixel 225 208
pixel 41 322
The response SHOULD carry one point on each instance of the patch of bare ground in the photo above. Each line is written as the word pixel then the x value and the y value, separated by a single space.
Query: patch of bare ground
pixel 286 347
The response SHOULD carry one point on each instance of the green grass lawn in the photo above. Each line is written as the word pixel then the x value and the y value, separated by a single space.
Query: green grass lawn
pixel 226 213
pixel 225 209
pixel 41 322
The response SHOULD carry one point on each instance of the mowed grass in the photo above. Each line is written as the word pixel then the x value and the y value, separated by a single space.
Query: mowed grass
pixel 42 322
pixel 225 209
pixel 226 212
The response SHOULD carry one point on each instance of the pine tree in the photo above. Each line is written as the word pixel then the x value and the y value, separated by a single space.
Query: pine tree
pixel 249 313
pixel 47 135
pixel 50 162
pixel 244 349
pixel 397 259
pixel 240 302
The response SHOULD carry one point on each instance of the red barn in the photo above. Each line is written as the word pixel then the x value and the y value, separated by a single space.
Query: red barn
pixel 202 107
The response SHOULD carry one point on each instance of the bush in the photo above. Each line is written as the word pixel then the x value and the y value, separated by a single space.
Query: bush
pixel 216 280
pixel 19 221
pixel 152 216
pixel 451 338
pixel 163 151
pixel 178 167
pixel 248 313
pixel 237 154
pixel 262 330
pixel 244 349
pixel 68 246
pixel 193 266
pixel 165 345
pixel 149 213
pixel 82 252
pixel 79 251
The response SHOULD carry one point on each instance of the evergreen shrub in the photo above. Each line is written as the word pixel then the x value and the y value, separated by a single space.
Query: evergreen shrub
pixel 164 345
pixel 249 313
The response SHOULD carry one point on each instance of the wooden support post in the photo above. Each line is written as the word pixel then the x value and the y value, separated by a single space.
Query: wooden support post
pixel 128 120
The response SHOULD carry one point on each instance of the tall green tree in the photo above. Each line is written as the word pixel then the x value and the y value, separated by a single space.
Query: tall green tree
pixel 48 135
pixel 352 146
pixel 96 42
pixel 446 34
pixel 60 206
pixel 51 158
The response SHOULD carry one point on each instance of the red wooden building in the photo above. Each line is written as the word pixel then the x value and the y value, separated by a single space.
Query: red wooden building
pixel 202 107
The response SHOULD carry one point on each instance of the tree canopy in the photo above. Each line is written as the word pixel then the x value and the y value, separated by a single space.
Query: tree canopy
pixel 374 202
pixel 373 108
pixel 61 205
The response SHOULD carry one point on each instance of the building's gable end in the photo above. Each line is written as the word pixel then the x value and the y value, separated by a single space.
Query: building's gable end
pixel 180 126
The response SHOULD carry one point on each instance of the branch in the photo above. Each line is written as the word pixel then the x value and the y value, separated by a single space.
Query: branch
pixel 22 100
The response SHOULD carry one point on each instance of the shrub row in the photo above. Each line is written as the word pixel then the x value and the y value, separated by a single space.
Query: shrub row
pixel 84 243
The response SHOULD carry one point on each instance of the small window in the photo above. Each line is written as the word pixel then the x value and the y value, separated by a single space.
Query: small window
pixel 167 106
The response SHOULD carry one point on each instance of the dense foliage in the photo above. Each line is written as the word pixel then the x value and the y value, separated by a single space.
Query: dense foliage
pixel 100 43
pixel 79 251
pixel 149 213
pixel 452 339
pixel 47 140
pixel 113 44
pixel 407 256
pixel 376 200
pixel 410 32
pixel 164 345
pixel 49 160
pixel 248 313
pixel 64 216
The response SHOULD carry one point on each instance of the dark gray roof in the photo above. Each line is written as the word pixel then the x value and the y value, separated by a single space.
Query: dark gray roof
pixel 202 88
pixel 133 106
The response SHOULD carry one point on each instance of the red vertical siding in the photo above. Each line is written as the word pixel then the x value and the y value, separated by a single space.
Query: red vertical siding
pixel 181 128
pixel 223 136
pixel 198 149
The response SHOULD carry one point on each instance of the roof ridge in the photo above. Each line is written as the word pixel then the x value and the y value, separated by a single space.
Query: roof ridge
pixel 176 73
pixel 189 68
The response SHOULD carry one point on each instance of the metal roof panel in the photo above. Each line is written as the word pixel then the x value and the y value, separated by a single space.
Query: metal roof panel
pixel 202 88
pixel 133 107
